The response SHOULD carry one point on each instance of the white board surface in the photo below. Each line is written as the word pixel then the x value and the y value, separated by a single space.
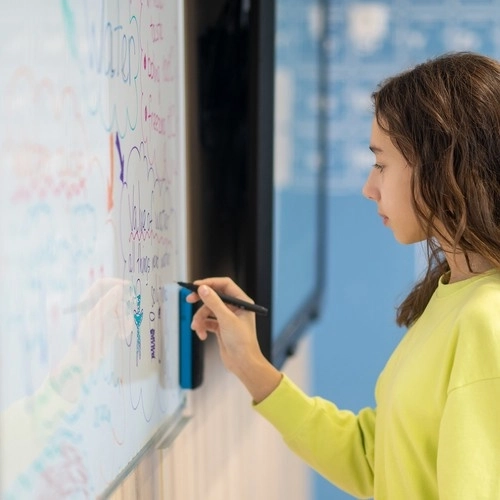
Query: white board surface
pixel 93 236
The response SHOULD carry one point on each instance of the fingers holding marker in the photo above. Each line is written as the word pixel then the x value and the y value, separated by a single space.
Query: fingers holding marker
pixel 239 300
pixel 213 301
pixel 206 318
pixel 225 286
pixel 233 325
pixel 228 316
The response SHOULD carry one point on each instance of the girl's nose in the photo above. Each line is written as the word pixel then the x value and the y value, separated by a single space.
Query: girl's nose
pixel 369 189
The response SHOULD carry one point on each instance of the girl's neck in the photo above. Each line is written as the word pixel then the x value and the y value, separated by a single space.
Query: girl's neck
pixel 459 270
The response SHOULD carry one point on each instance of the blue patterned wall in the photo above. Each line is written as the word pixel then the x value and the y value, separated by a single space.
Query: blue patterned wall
pixel 368 273
pixel 368 41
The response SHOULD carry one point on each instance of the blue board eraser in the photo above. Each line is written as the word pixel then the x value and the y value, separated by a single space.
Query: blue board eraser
pixel 191 359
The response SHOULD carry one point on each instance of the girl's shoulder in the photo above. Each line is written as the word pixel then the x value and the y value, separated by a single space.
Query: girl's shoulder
pixel 477 335
pixel 482 297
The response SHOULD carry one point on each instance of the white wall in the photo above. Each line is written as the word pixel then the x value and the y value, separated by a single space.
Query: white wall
pixel 226 451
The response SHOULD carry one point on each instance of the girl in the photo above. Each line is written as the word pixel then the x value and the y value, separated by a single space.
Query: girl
pixel 435 430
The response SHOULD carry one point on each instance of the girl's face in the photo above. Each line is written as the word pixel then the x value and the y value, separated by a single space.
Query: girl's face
pixel 389 185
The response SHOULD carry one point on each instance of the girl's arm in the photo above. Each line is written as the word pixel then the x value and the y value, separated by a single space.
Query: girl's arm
pixel 336 443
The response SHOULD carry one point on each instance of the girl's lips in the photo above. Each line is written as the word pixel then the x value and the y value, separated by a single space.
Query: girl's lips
pixel 385 219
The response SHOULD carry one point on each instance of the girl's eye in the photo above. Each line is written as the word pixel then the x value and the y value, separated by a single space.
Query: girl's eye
pixel 378 166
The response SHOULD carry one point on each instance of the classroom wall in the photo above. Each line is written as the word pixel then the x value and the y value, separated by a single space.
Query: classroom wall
pixel 227 451
pixel 368 272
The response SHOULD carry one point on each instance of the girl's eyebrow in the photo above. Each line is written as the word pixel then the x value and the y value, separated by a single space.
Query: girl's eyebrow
pixel 375 149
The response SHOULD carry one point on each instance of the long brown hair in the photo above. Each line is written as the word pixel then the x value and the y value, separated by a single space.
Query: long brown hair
pixel 444 117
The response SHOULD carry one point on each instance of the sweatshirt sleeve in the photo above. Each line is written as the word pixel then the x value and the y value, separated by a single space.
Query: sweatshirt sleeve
pixel 468 463
pixel 338 444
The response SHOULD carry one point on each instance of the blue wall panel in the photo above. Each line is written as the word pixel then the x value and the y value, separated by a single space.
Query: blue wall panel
pixel 368 272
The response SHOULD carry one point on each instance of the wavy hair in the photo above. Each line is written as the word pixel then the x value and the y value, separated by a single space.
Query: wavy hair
pixel 444 117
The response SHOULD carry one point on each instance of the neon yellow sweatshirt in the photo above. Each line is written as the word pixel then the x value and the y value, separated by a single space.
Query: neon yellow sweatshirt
pixel 435 431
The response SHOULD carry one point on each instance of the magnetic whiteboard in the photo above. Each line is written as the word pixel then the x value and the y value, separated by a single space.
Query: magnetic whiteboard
pixel 93 234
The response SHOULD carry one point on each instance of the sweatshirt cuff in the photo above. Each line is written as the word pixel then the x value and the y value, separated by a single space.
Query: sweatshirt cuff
pixel 286 408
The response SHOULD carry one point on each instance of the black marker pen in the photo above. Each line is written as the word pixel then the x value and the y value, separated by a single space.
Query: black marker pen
pixel 248 306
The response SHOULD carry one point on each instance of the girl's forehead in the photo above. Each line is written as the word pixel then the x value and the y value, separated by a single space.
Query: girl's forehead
pixel 378 139
pixel 382 144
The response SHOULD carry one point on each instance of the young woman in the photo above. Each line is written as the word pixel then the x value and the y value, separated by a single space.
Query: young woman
pixel 435 430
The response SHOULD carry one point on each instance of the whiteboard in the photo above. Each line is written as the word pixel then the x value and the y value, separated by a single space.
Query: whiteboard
pixel 93 236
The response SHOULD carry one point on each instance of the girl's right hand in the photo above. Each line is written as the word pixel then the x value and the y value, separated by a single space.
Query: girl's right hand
pixel 233 326
pixel 236 335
